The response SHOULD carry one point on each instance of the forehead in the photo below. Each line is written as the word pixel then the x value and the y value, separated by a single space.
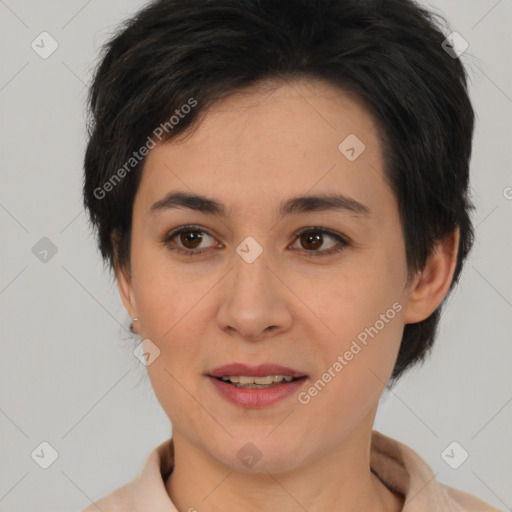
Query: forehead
pixel 262 145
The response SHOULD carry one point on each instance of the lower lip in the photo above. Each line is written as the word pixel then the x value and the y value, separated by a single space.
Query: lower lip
pixel 254 397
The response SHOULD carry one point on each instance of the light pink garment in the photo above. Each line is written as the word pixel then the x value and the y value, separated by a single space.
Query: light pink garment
pixel 400 468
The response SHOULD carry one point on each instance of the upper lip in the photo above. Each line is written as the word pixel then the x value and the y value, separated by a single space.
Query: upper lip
pixel 261 370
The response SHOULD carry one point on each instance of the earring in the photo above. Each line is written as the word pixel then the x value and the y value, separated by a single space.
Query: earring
pixel 131 325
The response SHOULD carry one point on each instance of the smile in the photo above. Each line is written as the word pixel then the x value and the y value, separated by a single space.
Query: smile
pixel 244 381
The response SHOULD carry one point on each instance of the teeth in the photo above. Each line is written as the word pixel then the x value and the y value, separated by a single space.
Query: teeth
pixel 243 380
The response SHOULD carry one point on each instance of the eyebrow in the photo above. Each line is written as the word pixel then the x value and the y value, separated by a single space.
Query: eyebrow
pixel 294 205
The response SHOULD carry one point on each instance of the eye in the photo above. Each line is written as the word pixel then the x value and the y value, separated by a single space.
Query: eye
pixel 313 238
pixel 190 238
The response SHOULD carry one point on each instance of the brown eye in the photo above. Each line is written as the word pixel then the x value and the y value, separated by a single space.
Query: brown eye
pixel 186 240
pixel 312 239
pixel 190 239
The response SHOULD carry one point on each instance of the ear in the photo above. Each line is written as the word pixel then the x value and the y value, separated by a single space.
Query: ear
pixel 124 281
pixel 432 283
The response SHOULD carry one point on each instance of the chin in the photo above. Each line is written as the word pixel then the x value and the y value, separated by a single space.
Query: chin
pixel 263 456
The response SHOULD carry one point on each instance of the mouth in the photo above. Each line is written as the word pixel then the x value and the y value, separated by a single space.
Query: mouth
pixel 247 382
pixel 256 386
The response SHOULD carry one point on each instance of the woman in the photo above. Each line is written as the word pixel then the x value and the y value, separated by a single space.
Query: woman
pixel 281 191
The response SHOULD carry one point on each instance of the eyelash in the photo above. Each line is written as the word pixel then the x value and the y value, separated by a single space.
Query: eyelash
pixel 342 242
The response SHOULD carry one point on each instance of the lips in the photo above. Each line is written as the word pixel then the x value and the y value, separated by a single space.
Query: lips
pixel 261 370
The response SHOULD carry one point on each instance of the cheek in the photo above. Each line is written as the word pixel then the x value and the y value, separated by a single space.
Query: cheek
pixel 361 298
pixel 170 301
pixel 356 370
pixel 363 310
pixel 166 292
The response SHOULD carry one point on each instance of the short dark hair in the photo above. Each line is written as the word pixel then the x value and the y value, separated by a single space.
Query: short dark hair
pixel 387 53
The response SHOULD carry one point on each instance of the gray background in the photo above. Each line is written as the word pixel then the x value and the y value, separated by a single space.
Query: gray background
pixel 68 375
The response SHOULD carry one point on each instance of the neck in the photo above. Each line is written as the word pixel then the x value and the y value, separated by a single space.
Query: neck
pixel 339 479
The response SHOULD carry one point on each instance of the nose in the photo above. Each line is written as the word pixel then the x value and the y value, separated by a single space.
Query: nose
pixel 256 304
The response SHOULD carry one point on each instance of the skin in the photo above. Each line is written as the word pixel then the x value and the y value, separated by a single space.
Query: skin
pixel 251 151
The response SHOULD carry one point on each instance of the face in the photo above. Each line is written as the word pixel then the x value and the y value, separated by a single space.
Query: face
pixel 316 289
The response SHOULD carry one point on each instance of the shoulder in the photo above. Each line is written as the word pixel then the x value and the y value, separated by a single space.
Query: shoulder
pixel 147 490
pixel 402 470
